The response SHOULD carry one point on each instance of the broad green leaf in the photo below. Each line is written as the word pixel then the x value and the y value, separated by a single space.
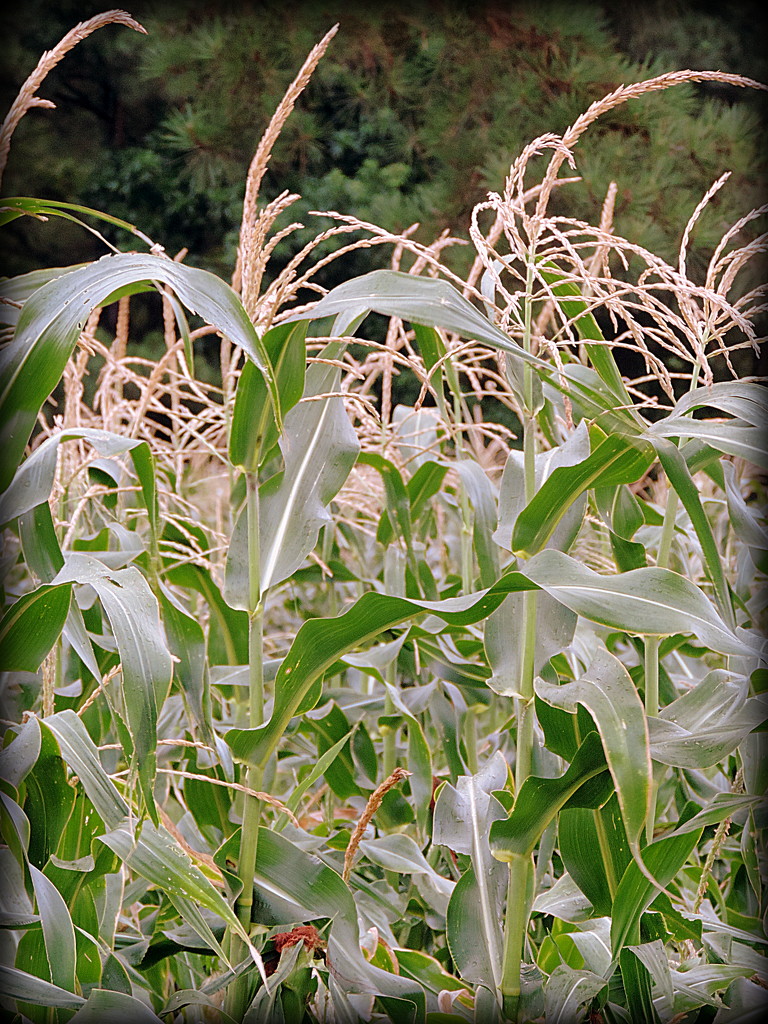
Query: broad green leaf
pixel 432 349
pixel 742 399
pixel 731 437
pixel 18 289
pixel 420 765
pixel 745 519
pixel 58 930
pixel 420 300
pixel 540 800
pixel 20 752
pixel 474 927
pixel 616 460
pixel 593 941
pixel 706 724
pixel 568 991
pixel 464 812
pixel 609 695
pixel 107 1007
pixel 26 987
pixel 663 859
pixel 254 430
pixel 422 486
pixel 319 447
pixel 650 602
pixel 31 627
pixel 620 510
pixel 54 316
pixel 722 806
pixel 48 804
pixel 146 666
pixel 428 971
pixel 594 849
pixel 80 754
pixel 645 601
pixel 594 401
pixel 563 900
pixel 227 627
pixel 400 853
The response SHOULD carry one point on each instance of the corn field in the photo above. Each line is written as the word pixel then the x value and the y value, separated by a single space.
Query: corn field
pixel 319 707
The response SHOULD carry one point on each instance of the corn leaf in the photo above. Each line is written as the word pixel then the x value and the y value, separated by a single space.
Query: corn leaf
pixel 31 627
pixel 609 695
pixel 53 317
pixel 146 666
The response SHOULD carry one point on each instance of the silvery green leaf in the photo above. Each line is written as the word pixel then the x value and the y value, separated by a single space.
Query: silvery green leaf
pixel 703 726
pixel 462 819
pixel 607 692
pixel 319 447
pixel 748 525
pixel 555 626
pixel 512 490
pixel 593 941
pixel 134 617
pixel 567 991
pixel 400 853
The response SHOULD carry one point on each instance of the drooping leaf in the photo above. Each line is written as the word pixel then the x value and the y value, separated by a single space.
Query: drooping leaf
pixel 54 316
pixel 145 661
pixel 607 692
pixel 33 482
pixel 731 437
pixel 646 601
pixel 568 991
pixel 539 801
pixel 292 885
pixel 663 859
pixel 419 300
pixel 704 725
pixel 319 447
pixel 30 989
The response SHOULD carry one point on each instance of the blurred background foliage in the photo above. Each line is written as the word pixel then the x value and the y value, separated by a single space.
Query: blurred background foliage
pixel 412 116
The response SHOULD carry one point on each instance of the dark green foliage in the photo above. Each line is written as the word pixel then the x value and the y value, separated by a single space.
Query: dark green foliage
pixel 412 116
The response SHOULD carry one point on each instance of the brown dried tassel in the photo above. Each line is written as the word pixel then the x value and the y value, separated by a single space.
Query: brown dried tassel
pixel 374 802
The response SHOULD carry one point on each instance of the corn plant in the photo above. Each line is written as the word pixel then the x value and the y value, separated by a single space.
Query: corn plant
pixel 324 709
